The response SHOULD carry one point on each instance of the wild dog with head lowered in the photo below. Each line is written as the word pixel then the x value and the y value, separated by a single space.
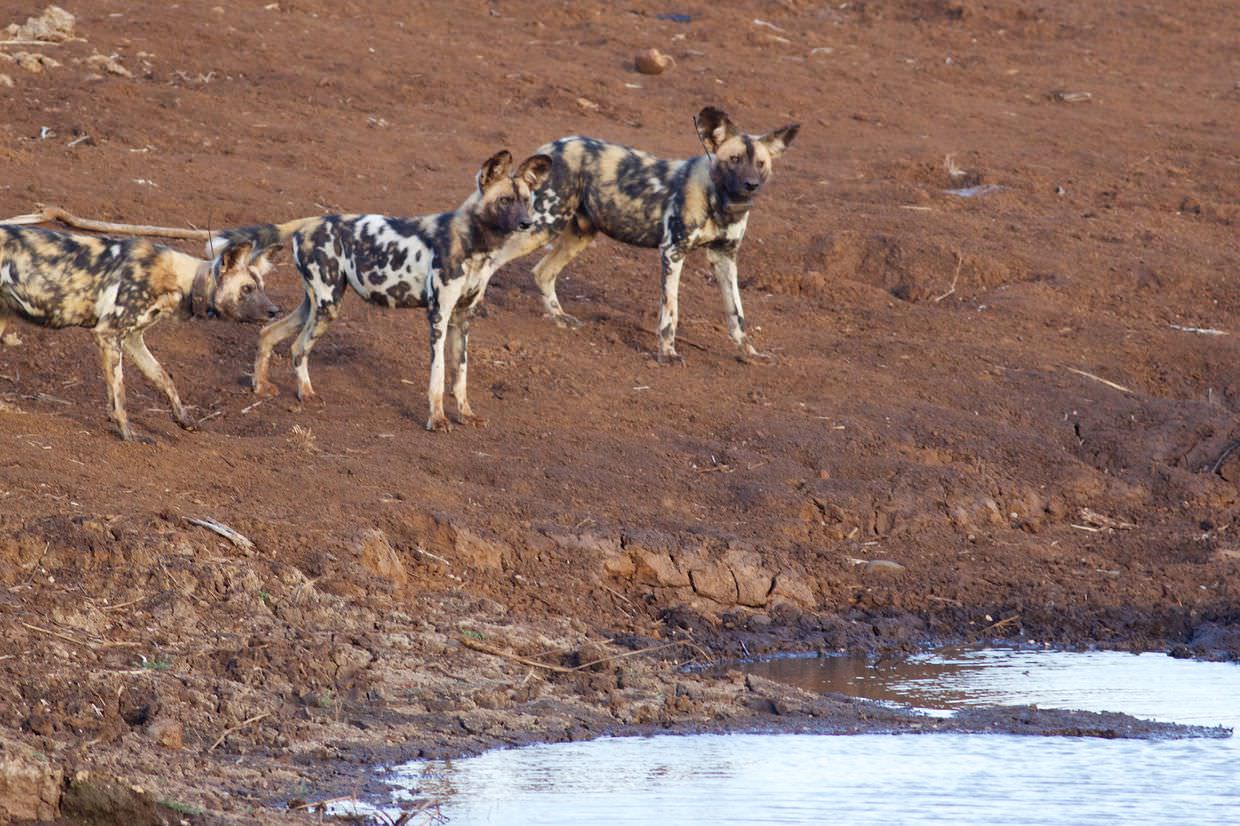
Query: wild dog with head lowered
pixel 677 206
pixel 441 262
pixel 119 288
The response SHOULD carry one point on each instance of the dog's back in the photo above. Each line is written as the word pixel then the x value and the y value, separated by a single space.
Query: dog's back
pixel 62 280
pixel 620 191
pixel 386 260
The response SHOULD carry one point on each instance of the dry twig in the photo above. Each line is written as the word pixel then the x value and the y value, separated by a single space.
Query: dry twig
pixel 241 541
pixel 951 290
pixel 121 605
pixel 59 635
pixel 1091 517
pixel 47 214
pixel 1001 623
pixel 238 727
pixel 1222 457
pixel 1107 382
pixel 423 552
pixel 1205 331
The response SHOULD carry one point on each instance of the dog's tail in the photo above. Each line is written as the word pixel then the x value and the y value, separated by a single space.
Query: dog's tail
pixel 261 239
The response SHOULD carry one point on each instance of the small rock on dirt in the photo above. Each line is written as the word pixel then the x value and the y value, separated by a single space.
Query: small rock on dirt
pixel 109 64
pixel 34 63
pixel 55 25
pixel 168 733
pixel 883 567
pixel 1065 96
pixel 653 62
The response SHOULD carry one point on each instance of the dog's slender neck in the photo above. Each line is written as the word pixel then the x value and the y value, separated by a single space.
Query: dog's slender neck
pixel 477 236
pixel 196 280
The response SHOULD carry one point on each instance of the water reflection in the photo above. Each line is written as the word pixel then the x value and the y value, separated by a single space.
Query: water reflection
pixel 1152 686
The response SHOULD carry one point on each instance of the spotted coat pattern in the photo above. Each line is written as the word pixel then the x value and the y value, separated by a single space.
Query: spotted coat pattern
pixel 118 288
pixel 439 262
pixel 676 206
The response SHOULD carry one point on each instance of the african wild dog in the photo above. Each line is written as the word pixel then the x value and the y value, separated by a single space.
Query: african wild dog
pixel 441 262
pixel 637 198
pixel 119 288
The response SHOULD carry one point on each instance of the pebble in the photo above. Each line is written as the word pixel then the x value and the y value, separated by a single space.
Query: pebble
pixel 885 567
pixel 653 62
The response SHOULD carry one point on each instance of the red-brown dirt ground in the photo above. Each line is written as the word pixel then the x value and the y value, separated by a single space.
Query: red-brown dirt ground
pixel 1004 416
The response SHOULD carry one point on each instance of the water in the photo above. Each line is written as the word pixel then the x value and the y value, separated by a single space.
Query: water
pixel 913 780
pixel 1150 686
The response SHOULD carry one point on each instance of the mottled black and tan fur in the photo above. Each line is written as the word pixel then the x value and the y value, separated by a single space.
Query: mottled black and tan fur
pixel 441 262
pixel 677 206
pixel 119 288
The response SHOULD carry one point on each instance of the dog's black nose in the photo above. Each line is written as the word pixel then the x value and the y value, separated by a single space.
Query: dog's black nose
pixel 751 186
pixel 273 311
pixel 525 224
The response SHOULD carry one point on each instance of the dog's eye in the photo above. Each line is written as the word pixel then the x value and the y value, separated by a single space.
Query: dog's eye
pixel 735 159
pixel 761 164
pixel 505 201
pixel 247 289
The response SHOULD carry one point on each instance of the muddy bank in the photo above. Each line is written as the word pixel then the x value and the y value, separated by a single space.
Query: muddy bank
pixel 179 656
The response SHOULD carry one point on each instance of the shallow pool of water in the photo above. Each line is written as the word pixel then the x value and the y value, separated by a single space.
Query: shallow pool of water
pixel 889 779
pixel 1150 686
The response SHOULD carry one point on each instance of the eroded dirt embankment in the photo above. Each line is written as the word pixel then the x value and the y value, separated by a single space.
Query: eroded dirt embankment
pixel 1004 416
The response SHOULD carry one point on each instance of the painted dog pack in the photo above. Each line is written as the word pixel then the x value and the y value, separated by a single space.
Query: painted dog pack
pixel 442 262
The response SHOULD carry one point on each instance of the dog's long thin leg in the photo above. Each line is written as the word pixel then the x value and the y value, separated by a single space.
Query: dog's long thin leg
pixel 565 248
pixel 110 357
pixel 136 347
pixel 320 317
pixel 723 262
pixel 458 348
pixel 673 260
pixel 271 335
pixel 442 305
pixel 458 354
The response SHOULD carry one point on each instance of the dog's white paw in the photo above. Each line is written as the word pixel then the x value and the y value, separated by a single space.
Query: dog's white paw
pixel 671 357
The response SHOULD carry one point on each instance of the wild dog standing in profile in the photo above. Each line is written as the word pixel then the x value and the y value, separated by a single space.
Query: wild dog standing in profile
pixel 441 262
pixel 119 288
pixel 637 198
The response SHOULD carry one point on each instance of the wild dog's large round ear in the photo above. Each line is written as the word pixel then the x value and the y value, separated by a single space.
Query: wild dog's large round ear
pixel 232 256
pixel 776 142
pixel 714 127
pixel 493 169
pixel 267 259
pixel 535 170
